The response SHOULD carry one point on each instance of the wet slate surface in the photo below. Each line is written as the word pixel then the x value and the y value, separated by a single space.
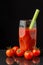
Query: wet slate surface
pixel 4 60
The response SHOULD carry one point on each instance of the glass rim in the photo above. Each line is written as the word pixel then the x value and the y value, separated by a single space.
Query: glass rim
pixel 26 23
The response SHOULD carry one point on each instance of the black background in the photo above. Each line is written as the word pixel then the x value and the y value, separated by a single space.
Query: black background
pixel 10 14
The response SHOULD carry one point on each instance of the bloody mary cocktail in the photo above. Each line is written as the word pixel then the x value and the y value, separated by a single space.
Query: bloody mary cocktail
pixel 27 33
pixel 27 38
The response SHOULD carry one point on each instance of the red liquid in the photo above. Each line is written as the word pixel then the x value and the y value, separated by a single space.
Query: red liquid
pixel 27 38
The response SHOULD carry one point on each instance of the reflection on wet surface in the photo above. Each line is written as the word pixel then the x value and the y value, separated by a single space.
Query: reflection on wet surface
pixel 9 61
pixel 22 61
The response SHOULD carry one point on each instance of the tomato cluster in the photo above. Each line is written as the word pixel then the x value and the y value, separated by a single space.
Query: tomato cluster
pixel 16 51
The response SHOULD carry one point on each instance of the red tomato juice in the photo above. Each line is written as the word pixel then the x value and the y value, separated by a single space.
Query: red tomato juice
pixel 27 38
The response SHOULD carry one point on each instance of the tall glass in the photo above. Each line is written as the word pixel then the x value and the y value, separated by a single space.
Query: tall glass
pixel 27 37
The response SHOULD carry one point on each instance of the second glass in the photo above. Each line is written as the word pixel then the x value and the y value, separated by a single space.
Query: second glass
pixel 27 37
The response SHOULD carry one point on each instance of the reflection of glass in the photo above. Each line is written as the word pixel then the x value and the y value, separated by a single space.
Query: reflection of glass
pixel 27 37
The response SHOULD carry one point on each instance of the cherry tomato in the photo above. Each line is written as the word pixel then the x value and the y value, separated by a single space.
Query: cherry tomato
pixel 19 52
pixel 28 55
pixel 15 49
pixel 36 52
pixel 9 52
